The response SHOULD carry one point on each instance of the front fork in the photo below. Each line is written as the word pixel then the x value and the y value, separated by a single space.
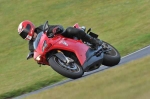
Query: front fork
pixel 64 58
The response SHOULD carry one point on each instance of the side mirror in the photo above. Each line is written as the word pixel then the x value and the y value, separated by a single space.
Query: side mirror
pixel 45 26
pixel 89 30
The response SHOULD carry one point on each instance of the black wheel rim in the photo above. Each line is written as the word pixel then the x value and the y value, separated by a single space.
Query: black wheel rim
pixel 110 51
pixel 72 67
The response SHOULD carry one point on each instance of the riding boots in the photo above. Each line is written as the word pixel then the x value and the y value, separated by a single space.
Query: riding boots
pixel 94 41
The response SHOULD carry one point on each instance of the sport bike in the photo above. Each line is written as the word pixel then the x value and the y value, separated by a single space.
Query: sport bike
pixel 72 57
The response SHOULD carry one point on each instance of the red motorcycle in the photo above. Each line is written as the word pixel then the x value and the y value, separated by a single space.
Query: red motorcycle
pixel 72 57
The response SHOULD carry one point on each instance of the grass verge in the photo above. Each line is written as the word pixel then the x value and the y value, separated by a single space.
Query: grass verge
pixel 27 89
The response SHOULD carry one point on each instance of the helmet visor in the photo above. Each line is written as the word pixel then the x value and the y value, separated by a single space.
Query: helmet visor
pixel 25 32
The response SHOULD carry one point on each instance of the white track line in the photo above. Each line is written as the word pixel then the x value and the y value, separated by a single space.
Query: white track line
pixel 135 52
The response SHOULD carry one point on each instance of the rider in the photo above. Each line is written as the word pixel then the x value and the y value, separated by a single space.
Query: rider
pixel 28 31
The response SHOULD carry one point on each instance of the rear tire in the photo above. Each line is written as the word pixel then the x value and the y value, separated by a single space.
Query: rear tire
pixel 72 70
pixel 112 57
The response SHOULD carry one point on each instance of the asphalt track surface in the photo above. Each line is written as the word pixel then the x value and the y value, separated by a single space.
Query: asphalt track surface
pixel 133 56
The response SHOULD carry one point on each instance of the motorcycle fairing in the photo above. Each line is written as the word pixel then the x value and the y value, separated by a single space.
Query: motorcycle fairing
pixel 59 42
pixel 94 57
pixel 75 46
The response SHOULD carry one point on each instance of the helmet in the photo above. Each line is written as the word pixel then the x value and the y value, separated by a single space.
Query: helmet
pixel 26 29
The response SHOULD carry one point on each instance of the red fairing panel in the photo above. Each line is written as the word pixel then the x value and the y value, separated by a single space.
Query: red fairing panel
pixel 71 45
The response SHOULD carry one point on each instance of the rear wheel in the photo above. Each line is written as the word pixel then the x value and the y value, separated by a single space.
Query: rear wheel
pixel 111 55
pixel 70 70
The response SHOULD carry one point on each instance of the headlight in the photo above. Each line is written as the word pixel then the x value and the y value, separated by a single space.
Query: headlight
pixel 38 58
pixel 44 46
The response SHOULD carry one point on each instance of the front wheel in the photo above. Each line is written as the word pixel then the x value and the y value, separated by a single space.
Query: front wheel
pixel 111 55
pixel 70 70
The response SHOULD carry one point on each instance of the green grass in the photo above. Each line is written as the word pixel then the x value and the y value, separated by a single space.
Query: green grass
pixel 123 23
pixel 129 81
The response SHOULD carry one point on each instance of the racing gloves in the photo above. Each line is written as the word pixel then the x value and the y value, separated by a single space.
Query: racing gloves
pixel 57 29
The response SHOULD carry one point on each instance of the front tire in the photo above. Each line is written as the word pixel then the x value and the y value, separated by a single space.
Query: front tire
pixel 111 57
pixel 71 70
